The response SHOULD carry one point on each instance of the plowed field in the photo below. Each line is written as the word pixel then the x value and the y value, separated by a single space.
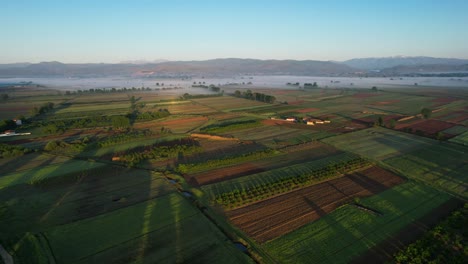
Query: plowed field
pixel 282 214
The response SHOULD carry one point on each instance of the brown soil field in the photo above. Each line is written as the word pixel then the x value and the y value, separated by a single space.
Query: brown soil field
pixel 205 136
pixel 274 217
pixel 431 126
pixel 293 155
pixel 384 251
pixel 218 175
pixel 274 122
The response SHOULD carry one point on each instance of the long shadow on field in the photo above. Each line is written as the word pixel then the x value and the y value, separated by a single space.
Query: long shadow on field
pixel 338 229
pixel 367 183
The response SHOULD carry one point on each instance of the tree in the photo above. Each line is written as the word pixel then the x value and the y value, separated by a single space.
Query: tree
pixel 120 122
pixel 237 93
pixel 426 113
pixel 392 123
pixel 5 96
pixel 374 88
pixel 380 121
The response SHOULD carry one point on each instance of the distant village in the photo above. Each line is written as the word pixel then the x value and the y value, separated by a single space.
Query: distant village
pixel 9 133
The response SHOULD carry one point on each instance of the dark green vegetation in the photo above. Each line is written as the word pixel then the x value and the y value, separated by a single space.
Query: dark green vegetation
pixel 164 176
pixel 8 151
pixel 446 243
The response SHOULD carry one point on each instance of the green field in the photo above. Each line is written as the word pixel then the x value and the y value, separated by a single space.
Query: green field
pixel 166 229
pixel 348 232
pixel 378 143
pixel 461 139
pixel 272 176
pixel 36 175
pixel 442 165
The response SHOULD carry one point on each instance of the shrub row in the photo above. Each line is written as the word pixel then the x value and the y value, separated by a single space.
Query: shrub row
pixel 262 191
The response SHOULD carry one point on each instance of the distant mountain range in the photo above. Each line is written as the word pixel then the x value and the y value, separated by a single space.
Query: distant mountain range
pixel 231 67
pixel 389 62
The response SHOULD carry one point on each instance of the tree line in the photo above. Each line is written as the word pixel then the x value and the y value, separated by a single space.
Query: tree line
pixel 261 97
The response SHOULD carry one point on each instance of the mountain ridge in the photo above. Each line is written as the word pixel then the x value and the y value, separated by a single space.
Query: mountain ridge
pixel 221 67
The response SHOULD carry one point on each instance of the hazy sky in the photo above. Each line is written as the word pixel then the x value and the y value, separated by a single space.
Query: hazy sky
pixel 119 30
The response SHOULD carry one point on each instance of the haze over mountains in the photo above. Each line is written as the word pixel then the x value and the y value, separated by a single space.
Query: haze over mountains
pixel 395 66
pixel 389 62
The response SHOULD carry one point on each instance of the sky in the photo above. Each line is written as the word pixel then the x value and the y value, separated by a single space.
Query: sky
pixel 121 30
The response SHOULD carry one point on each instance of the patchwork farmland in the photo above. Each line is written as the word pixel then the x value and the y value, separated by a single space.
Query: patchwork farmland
pixel 146 176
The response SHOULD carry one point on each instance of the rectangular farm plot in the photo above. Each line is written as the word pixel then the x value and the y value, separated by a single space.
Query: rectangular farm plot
pixel 186 108
pixel 228 103
pixel 274 217
pixel 166 229
pixel 68 198
pixel 442 165
pixel 429 127
pixel 182 124
pixel 348 232
pixel 378 143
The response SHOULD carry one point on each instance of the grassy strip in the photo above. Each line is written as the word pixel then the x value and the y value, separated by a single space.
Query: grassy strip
pixel 38 175
pixel 230 125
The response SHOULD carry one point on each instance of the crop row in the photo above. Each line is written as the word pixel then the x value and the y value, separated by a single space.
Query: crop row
pixel 160 153
pixel 215 163
pixel 124 137
pixel 262 191
pixel 230 125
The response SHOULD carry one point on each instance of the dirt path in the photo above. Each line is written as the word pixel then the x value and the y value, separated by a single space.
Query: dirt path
pixel 6 256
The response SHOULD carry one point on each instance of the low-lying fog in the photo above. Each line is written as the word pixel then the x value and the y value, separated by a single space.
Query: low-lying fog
pixel 256 81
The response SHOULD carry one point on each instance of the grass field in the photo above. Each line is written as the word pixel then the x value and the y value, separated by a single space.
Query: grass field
pixel 442 165
pixel 166 229
pixel 36 175
pixel 378 143
pixel 227 103
pixel 348 232
pixel 461 139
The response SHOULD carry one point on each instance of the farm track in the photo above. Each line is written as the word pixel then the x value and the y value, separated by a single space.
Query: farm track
pixel 271 218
